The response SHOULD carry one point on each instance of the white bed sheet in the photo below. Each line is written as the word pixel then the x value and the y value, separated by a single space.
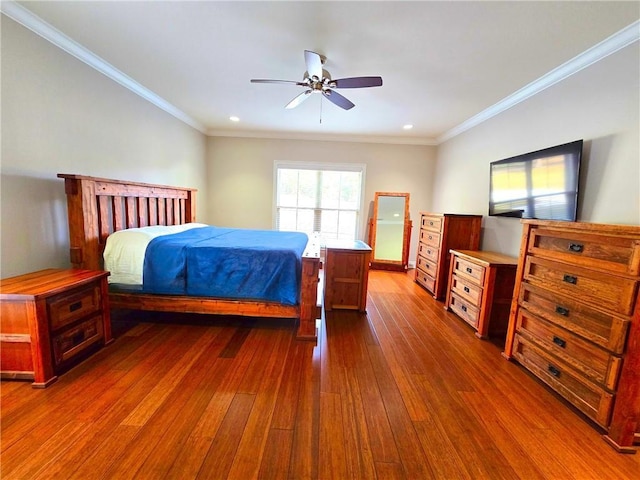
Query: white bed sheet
pixel 125 249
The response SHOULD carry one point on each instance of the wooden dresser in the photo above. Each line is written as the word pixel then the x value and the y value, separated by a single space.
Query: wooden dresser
pixel 346 275
pixel 480 290
pixel 50 318
pixel 575 319
pixel 440 232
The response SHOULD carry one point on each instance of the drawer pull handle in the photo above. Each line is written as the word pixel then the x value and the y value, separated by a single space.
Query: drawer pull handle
pixel 431 224
pixel 75 306
pixel 576 247
pixel 553 371
pixel 559 341
pixel 463 308
pixel 466 289
pixel 562 311
pixel 428 252
pixel 78 337
pixel 430 237
pixel 570 279
pixel 469 270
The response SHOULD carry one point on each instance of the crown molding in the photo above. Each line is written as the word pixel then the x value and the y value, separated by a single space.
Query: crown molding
pixel 34 23
pixel 615 42
pixel 322 137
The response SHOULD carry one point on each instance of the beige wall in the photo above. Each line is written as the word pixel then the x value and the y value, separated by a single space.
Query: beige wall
pixel 241 175
pixel 599 104
pixel 61 116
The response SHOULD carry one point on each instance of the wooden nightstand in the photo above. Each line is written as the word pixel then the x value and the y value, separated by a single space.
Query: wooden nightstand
pixel 346 275
pixel 50 318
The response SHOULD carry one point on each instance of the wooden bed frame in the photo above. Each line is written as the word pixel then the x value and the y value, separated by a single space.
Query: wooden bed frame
pixel 98 207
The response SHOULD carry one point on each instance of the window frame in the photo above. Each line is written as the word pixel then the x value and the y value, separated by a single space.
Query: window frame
pixel 327 166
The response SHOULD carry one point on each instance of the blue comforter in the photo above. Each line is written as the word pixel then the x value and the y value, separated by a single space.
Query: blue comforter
pixel 226 263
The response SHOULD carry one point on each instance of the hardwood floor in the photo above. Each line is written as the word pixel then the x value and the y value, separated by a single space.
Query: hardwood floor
pixel 406 391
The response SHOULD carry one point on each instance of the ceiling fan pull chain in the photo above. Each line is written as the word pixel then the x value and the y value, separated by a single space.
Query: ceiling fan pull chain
pixel 321 108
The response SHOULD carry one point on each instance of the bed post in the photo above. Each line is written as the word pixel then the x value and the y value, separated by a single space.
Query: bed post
pixel 83 224
pixel 309 293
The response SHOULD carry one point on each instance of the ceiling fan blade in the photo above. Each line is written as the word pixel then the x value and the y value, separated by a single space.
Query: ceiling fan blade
pixel 262 80
pixel 338 99
pixel 299 99
pixel 314 64
pixel 357 82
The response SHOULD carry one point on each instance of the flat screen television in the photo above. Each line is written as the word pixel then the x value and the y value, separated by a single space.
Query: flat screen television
pixel 542 184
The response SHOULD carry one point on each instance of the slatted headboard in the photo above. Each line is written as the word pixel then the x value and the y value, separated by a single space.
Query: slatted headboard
pixel 98 207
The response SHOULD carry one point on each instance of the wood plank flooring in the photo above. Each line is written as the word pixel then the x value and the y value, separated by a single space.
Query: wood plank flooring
pixel 406 391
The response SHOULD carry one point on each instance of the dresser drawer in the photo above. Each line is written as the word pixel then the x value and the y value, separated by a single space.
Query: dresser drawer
pixel 603 328
pixel 426 266
pixel 426 280
pixel 465 310
pixel 430 238
pixel 72 341
pixel 428 251
pixel 469 269
pixel 615 254
pixel 431 223
pixel 596 288
pixel 74 305
pixel 586 396
pixel 584 356
pixel 467 290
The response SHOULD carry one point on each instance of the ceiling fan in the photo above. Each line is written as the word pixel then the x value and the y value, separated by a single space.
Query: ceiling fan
pixel 318 80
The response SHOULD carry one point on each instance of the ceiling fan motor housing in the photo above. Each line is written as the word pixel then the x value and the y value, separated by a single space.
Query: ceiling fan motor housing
pixel 317 80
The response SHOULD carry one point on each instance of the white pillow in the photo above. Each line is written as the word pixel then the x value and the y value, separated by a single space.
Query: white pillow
pixel 125 249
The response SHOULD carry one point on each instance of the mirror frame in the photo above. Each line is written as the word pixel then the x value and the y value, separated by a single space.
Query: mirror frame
pixel 381 264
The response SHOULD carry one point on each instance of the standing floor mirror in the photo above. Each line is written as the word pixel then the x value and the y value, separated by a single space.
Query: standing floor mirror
pixel 390 231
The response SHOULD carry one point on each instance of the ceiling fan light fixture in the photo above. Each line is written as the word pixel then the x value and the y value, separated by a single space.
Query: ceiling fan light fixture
pixel 318 80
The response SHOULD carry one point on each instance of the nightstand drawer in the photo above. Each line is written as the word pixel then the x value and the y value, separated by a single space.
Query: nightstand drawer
pixel 70 307
pixel 70 342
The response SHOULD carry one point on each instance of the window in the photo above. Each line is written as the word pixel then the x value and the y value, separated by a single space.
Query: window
pixel 323 198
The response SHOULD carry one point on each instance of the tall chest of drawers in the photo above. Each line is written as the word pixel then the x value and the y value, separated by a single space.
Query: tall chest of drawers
pixel 440 232
pixel 575 319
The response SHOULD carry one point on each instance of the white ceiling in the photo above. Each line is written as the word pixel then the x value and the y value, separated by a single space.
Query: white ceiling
pixel 442 63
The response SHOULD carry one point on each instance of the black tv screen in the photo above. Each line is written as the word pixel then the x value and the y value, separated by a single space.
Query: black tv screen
pixel 541 184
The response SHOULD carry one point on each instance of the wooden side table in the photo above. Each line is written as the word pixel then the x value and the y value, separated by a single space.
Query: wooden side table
pixel 346 275
pixel 50 318
pixel 481 288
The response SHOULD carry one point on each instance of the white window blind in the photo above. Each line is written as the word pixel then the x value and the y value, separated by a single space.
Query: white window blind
pixel 324 199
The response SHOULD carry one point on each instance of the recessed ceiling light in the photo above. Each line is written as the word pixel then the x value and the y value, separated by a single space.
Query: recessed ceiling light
pixel 234 119
pixel 408 126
